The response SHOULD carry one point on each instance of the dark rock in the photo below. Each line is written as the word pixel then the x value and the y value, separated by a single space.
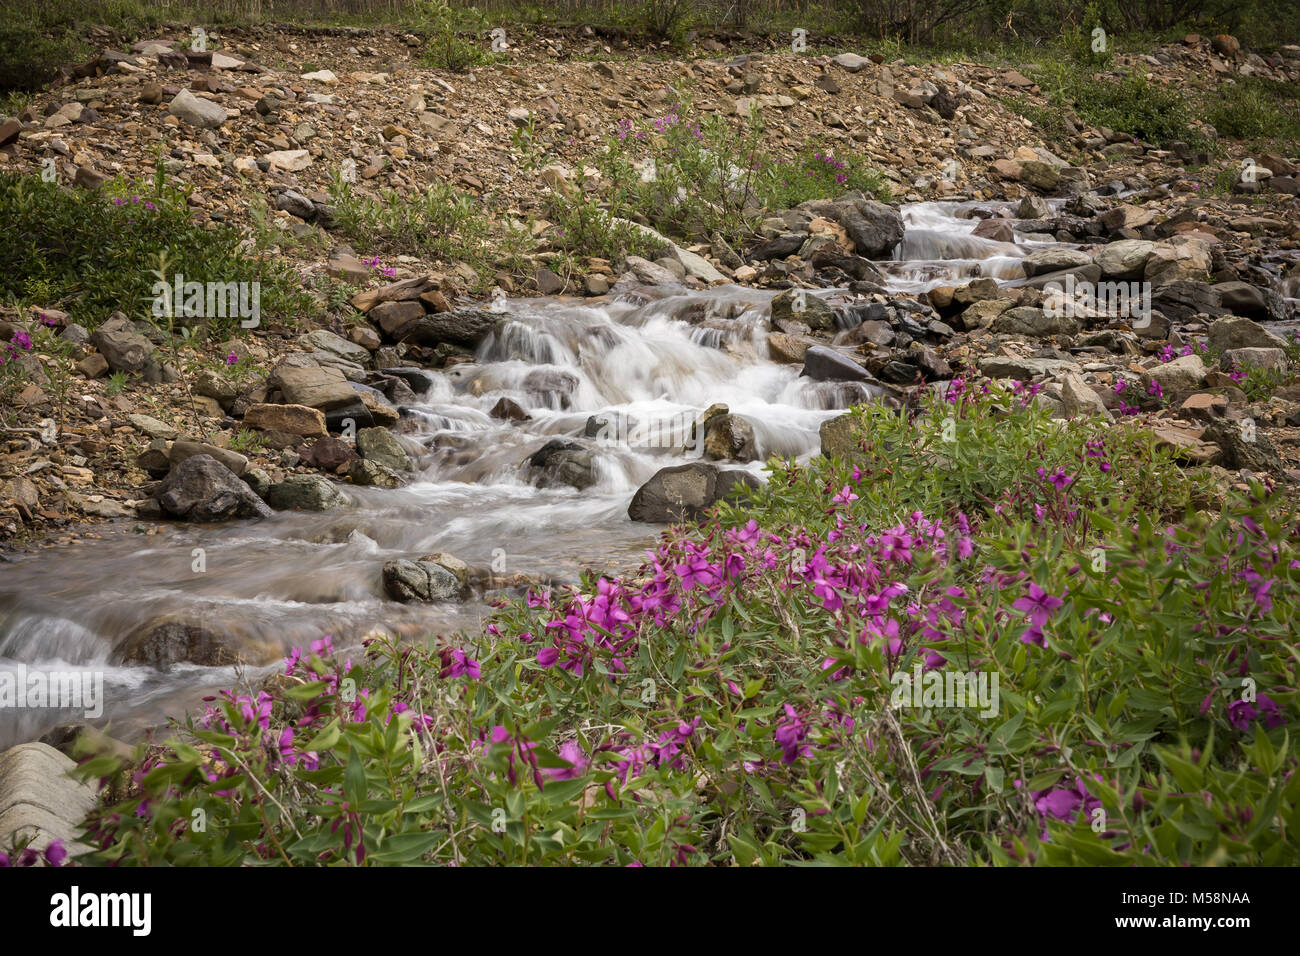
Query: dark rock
pixel 562 461
pixel 200 488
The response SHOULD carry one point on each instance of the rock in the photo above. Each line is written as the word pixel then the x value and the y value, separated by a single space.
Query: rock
pixel 981 314
pixel 1125 259
pixel 824 364
pixel 379 445
pixel 315 386
pixel 426 581
pixel 874 228
pixel 175 641
pixel 801 305
pixel 1182 299
pixel 125 349
pixel 851 62
pixel 183 449
pixel 508 410
pixel 1244 446
pixel 788 349
pixel 464 327
pixel 1235 332
pixel 840 436
pixel 326 454
pixel 1184 374
pixel 305 493
pixel 290 160
pixel 999 230
pixel 200 488
pixel 363 471
pixel 1054 260
pixel 1182 257
pixel 1037 323
pixel 393 317
pixel 298 420
pixel 685 492
pixel 1024 369
pixel 730 438
pixel 150 426
pixel 196 111
pixel 216 386
pixel 562 461
pixel 1241 298
pixel 93 365
pixel 1080 398
pixel 1274 360
pixel 296 204
pixel 1040 175
pixel 39 801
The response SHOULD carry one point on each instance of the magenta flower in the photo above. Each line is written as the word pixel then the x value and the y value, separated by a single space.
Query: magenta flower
pixel 456 664
pixel 845 496
pixel 1038 605
pixel 232 359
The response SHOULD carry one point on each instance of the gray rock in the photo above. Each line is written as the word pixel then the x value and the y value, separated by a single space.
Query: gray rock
pixel 562 461
pixel 685 492
pixel 1184 374
pixel 407 581
pixel 196 111
pixel 874 227
pixel 305 493
pixel 200 488
pixel 1126 259
pixel 323 340
pixel 1237 332
pixel 312 385
pixel 1054 260
pixel 801 305
pixel 1080 398
pixel 1241 298
pixel 1027 320
pixel 365 472
pixel 379 445
pixel 1270 359
pixel 39 801
pixel 730 438
pixel 1024 369
pixel 824 364
pixel 296 204
pixel 125 349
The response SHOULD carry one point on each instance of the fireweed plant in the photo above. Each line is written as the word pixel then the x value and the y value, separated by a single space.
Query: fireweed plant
pixel 732 703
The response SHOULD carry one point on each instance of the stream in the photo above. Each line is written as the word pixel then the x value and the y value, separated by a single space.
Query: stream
pixel 653 358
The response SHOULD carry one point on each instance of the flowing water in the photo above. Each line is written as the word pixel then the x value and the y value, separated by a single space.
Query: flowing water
pixel 650 358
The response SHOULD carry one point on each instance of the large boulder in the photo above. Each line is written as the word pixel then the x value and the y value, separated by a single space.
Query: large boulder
pixel 562 461
pixel 1125 259
pixel 124 348
pixel 425 581
pixel 801 305
pixel 334 346
pixel 824 364
pixel 1237 332
pixel 313 385
pixel 160 644
pixel 305 493
pixel 1034 322
pixel 299 420
pixel 200 488
pixel 379 445
pixel 463 327
pixel 685 492
pixel 1054 260
pixel 1242 298
pixel 183 449
pixel 874 227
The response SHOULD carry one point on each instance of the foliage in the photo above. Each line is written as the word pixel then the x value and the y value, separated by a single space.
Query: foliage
pixel 738 702
pixel 92 254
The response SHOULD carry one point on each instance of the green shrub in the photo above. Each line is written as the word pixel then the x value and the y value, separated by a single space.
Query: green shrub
pixel 444 48
pixel 93 253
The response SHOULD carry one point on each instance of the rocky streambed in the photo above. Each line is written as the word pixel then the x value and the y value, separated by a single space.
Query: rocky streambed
pixel 516 445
